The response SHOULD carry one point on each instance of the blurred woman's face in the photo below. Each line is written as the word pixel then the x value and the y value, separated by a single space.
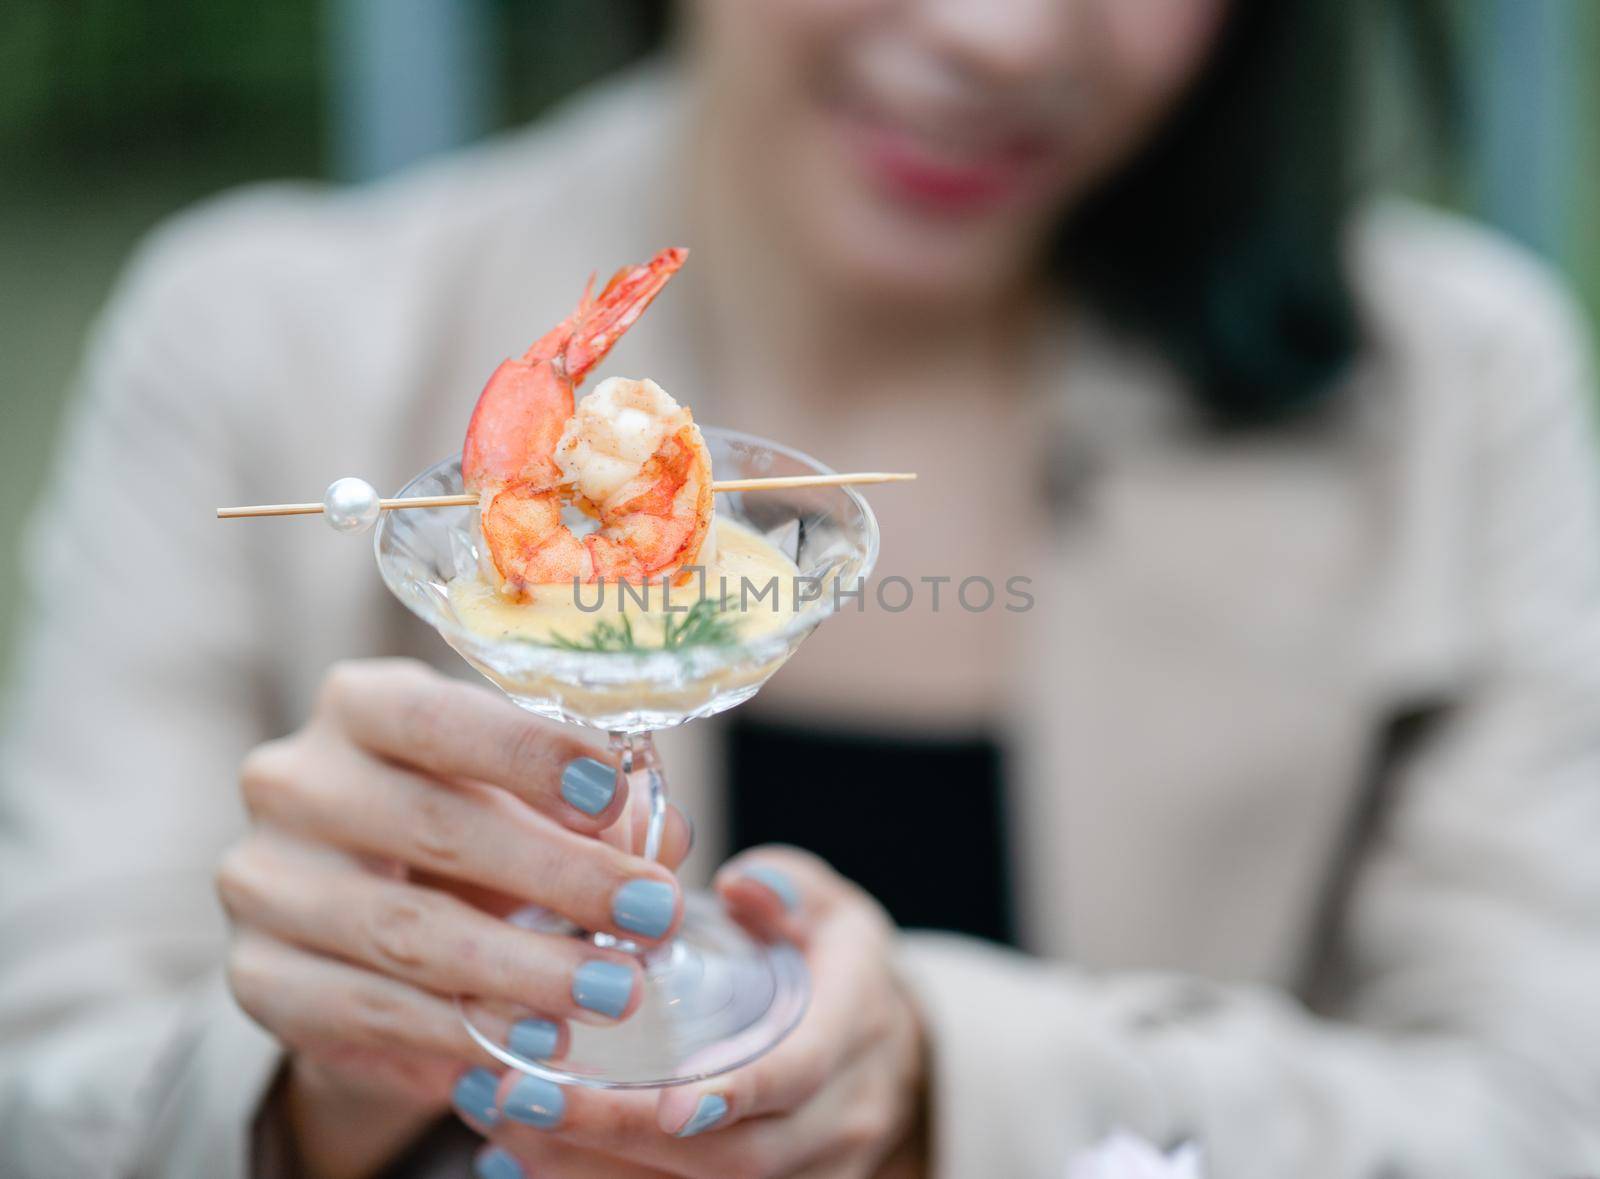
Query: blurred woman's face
pixel 923 149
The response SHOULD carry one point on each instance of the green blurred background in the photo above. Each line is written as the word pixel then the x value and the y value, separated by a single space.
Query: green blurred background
pixel 113 115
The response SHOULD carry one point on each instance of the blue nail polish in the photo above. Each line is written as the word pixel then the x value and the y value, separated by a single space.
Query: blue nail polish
pixel 495 1163
pixel 588 785
pixel 602 986
pixel 708 1111
pixel 534 1101
pixel 777 881
pixel 644 907
pixel 474 1096
pixel 534 1039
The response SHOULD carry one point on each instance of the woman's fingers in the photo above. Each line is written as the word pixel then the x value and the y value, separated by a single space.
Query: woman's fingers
pixel 534 1159
pixel 851 1117
pixel 423 937
pixel 809 1074
pixel 677 838
pixel 467 831
pixel 784 892
pixel 337 1073
pixel 405 712
pixel 539 1123
pixel 336 1012
pixel 631 830
pixel 530 1114
pixel 787 892
pixel 833 1031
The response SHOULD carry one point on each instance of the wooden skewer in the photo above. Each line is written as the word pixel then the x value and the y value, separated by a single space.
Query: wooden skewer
pixel 419 501
pixel 470 498
pixel 775 482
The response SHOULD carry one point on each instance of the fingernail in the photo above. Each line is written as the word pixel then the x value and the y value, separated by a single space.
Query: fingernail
pixel 534 1101
pixel 777 881
pixel 495 1163
pixel 474 1096
pixel 588 785
pixel 708 1111
pixel 644 907
pixel 534 1039
pixel 690 847
pixel 602 986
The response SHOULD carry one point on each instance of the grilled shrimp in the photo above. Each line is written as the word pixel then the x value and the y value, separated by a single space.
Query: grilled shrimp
pixel 629 455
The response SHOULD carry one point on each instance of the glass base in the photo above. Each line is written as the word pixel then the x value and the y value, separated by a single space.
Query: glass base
pixel 715 999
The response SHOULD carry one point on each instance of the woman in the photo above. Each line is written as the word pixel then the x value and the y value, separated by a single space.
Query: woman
pixel 1301 734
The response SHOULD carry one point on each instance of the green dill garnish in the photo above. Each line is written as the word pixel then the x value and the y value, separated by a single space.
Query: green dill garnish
pixel 702 625
pixel 606 636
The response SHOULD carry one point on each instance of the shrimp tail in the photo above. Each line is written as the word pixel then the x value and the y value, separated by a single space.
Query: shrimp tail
pixel 600 322
pixel 520 413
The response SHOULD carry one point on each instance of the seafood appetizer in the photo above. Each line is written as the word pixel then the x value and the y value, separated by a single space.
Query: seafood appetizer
pixel 629 456
pixel 612 489
pixel 590 525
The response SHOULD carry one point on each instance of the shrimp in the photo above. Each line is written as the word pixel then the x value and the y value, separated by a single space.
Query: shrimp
pixel 637 461
pixel 630 456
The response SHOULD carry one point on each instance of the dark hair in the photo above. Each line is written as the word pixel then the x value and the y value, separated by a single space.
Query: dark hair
pixel 1222 242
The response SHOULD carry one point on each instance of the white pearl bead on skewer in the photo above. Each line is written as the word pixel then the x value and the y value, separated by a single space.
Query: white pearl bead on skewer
pixel 351 505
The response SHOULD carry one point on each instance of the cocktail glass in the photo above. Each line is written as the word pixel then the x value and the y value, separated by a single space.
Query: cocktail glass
pixel 715 997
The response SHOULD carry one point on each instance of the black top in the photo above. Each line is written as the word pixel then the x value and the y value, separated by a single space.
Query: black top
pixel 919 822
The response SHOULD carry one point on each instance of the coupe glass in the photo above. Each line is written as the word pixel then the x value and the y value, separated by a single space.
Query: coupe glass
pixel 715 997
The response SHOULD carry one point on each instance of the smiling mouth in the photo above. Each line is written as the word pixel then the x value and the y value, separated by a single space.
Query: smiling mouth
pixel 945 166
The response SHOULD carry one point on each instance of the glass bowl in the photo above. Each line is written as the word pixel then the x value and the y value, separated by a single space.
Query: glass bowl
pixel 829 532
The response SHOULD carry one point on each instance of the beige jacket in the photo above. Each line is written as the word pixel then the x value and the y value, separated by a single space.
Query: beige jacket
pixel 1310 733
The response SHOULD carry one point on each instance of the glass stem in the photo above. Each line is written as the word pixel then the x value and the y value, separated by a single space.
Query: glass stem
pixel 636 754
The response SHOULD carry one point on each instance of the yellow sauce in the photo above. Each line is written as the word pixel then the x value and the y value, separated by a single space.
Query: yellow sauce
pixel 753 580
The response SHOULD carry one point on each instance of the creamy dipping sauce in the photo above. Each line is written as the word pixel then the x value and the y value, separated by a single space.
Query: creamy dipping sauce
pixel 753 579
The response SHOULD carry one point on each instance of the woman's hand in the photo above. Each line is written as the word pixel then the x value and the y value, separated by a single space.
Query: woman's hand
pixel 390 837
pixel 841 1097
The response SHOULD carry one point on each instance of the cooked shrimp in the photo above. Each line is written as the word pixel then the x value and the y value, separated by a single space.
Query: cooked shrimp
pixel 630 456
pixel 636 460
